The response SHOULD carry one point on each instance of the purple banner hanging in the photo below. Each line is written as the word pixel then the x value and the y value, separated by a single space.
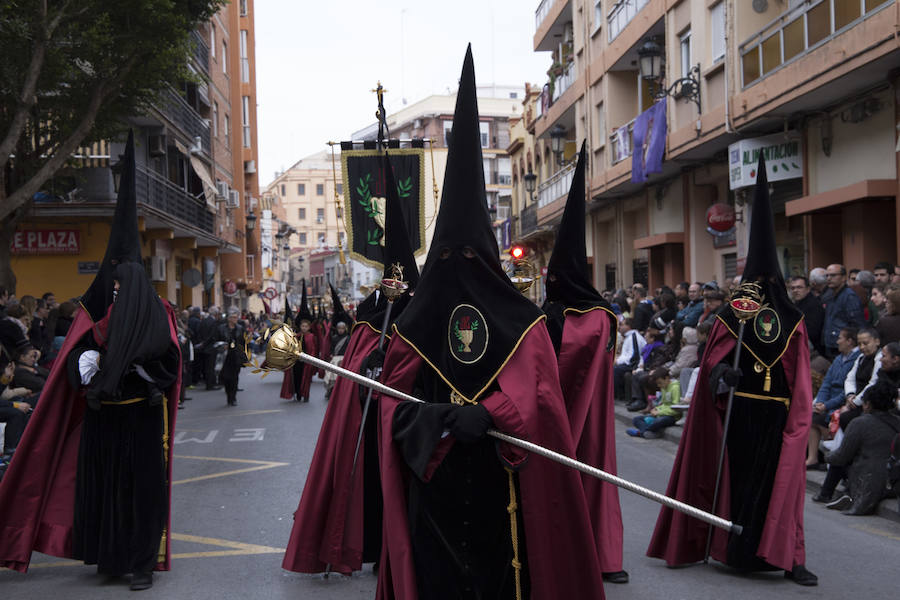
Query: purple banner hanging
pixel 649 142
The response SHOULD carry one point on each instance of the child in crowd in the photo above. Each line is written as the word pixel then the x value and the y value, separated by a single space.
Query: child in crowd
pixel 650 426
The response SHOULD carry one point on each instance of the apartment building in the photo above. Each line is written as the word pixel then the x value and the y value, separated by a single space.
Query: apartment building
pixel 195 182
pixel 812 81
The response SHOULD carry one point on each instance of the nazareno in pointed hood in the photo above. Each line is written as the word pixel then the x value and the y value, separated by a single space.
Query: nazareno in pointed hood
pixel 466 317
pixel 338 313
pixel 568 284
pixel 303 312
pixel 124 239
pixel 397 250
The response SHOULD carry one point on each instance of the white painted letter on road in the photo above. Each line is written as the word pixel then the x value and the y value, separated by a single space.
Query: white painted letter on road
pixel 180 439
pixel 248 435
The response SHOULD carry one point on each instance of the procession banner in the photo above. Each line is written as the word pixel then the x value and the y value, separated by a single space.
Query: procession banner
pixel 364 199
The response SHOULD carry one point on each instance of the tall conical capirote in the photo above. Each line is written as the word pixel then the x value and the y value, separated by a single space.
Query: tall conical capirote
pixel 397 250
pixel 303 312
pixel 466 317
pixel 124 243
pixel 338 313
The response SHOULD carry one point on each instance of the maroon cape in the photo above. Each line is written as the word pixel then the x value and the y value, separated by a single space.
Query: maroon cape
pixel 562 560
pixel 586 377
pixel 328 524
pixel 309 346
pixel 323 338
pixel 37 495
pixel 680 539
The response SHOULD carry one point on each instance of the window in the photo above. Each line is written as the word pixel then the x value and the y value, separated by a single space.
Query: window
pixel 717 31
pixel 320 237
pixel 504 171
pixel 487 170
pixel 686 61
pixel 224 57
pixel 215 120
pixel 601 126
pixel 320 215
pixel 340 188
pixel 320 189
pixel 301 190
pixel 243 8
pixel 301 214
pixel 303 238
pixel 245 119
pixel 227 129
pixel 245 57
pixel 448 126
pixel 212 40
pixel 485 129
pixel 283 190
pixel 250 260
pixel 598 15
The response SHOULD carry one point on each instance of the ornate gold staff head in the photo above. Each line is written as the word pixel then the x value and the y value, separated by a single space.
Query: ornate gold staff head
pixel 282 348
pixel 393 287
pixel 524 275
pixel 747 300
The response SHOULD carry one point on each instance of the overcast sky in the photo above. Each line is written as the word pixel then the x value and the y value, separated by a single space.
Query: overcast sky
pixel 317 61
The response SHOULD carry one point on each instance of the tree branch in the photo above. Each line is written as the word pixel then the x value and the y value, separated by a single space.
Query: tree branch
pixel 26 101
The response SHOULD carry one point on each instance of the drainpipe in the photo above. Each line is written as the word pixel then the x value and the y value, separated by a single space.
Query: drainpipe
pixel 727 15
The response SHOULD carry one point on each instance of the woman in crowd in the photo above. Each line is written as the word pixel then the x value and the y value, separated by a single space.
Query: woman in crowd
pixel 889 323
pixel 28 374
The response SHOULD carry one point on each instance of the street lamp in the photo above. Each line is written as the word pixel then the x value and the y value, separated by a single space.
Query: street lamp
pixel 558 141
pixel 650 57
pixel 530 182
pixel 251 219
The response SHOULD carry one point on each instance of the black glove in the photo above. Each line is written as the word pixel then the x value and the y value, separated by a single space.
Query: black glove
pixel 732 376
pixel 373 363
pixel 468 423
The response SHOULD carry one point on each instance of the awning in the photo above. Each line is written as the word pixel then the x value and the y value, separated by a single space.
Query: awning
pixel 202 171
pixel 673 237
pixel 868 188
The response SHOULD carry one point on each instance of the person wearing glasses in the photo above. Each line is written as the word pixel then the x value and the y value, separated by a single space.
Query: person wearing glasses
pixel 842 308
pixel 813 311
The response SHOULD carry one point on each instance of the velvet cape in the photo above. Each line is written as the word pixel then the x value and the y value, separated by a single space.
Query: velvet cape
pixel 310 346
pixel 586 377
pixel 564 564
pixel 328 523
pixel 37 494
pixel 679 539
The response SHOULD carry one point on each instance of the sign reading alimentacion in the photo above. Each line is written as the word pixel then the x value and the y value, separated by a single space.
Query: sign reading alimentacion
pixel 783 153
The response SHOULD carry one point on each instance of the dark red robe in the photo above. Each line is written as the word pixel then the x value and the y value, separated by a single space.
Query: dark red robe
pixel 679 539
pixel 562 560
pixel 37 494
pixel 288 385
pixel 328 524
pixel 586 377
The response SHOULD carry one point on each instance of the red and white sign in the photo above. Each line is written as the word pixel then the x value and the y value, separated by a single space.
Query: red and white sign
pixel 230 288
pixel 271 293
pixel 720 217
pixel 46 241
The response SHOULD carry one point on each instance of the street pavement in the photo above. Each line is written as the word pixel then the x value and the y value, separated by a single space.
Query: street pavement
pixel 239 472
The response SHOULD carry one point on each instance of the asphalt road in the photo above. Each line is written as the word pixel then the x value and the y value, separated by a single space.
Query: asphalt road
pixel 239 472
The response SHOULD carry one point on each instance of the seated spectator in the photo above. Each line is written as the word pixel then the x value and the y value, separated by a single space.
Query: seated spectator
pixel 830 396
pixel 812 309
pixel 665 307
pixel 14 409
pixel 38 333
pixel 4 299
pixel 851 276
pixel 641 308
pixel 13 332
pixel 865 450
pixel 889 322
pixel 654 339
pixel 687 355
pixel 703 330
pixel 882 272
pixel 28 374
pixel 862 287
pixel 713 300
pixel 629 356
pixel 61 319
pixel 690 314
pixel 662 415
pixel 662 351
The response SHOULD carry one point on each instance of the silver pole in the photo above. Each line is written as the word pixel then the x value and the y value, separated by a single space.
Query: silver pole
pixel 546 453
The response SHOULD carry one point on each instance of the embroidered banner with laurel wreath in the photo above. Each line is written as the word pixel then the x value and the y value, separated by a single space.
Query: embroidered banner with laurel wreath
pixel 364 199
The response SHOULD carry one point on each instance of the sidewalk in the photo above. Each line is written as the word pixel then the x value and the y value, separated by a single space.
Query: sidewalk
pixel 887 509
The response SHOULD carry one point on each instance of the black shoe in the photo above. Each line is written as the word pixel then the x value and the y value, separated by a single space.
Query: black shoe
pixel 854 511
pixel 636 405
pixel 213 388
pixel 240 389
pixel 651 435
pixel 821 498
pixel 842 503
pixel 141 581
pixel 181 406
pixel 801 576
pixel 616 577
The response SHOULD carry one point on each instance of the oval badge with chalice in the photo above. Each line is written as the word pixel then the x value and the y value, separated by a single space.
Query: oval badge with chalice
pixel 467 334
pixel 767 325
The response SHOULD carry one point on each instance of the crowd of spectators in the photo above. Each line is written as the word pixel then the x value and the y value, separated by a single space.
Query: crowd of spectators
pixel 853 322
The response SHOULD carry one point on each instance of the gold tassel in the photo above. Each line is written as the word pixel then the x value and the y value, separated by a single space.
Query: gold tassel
pixel 514 533
pixel 767 384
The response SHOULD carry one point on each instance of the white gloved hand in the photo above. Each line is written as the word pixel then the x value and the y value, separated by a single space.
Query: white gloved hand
pixel 88 365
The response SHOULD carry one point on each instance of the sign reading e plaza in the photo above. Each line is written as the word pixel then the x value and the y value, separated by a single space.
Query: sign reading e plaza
pixel 783 153
pixel 46 241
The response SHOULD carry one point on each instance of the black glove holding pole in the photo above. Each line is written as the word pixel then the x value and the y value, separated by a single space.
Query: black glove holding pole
pixel 468 423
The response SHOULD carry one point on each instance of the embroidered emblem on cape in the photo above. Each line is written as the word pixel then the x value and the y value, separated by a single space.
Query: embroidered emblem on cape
pixel 767 325
pixel 467 334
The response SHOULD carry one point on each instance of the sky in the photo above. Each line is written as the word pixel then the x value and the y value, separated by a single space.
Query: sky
pixel 316 62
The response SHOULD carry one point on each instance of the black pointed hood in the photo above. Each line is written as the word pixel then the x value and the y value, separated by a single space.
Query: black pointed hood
pixel 303 312
pixel 568 283
pixel 466 317
pixel 124 239
pixel 397 250
pixel 288 314
pixel 338 313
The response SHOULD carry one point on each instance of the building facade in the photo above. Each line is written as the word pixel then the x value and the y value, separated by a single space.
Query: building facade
pixel 819 75
pixel 192 179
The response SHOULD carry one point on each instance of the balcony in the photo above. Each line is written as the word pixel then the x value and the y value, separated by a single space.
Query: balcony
pixel 556 187
pixel 554 89
pixel 180 113
pixel 621 14
pixel 528 220
pixel 541 13
pixel 200 52
pixel 621 142
pixel 158 192
pixel 797 32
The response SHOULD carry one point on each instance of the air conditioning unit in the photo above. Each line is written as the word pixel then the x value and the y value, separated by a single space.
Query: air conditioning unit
pixel 197 146
pixel 222 190
pixel 249 167
pixel 417 124
pixel 157 268
pixel 157 145
pixel 234 199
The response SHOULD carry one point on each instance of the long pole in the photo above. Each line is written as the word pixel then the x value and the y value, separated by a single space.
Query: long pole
pixel 540 450
pixel 734 365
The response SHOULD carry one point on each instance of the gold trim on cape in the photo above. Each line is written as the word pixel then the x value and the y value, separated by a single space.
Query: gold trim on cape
pixel 785 401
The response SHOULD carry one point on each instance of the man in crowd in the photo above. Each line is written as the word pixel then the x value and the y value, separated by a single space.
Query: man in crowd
pixel 713 299
pixel 642 309
pixel 38 335
pixel 818 281
pixel 842 308
pixel 883 271
pixel 812 309
pixel 830 396
pixel 628 359
pixel 690 314
pixel 207 336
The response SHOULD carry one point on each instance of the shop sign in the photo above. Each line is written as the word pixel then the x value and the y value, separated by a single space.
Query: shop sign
pixel 230 288
pixel 91 267
pixel 46 241
pixel 720 219
pixel 783 153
